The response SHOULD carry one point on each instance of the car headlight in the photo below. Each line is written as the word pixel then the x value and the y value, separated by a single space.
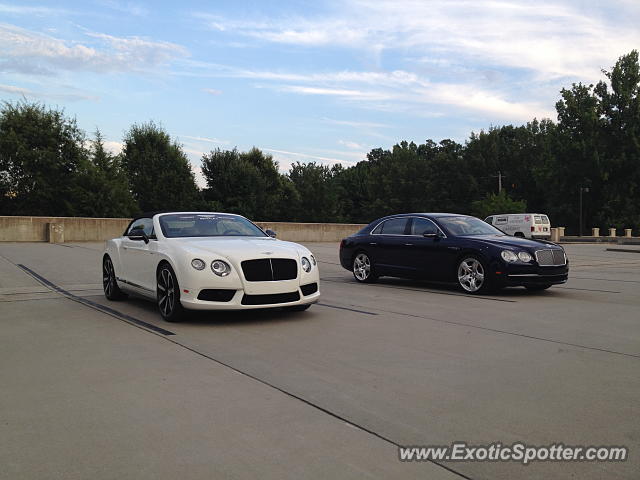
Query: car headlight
pixel 306 264
pixel 509 256
pixel 198 264
pixel 220 268
pixel 313 260
pixel 524 257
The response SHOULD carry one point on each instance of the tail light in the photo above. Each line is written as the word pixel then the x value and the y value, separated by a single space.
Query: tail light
pixel 533 229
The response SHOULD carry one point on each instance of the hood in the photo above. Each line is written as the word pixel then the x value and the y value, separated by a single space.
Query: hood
pixel 240 248
pixel 508 241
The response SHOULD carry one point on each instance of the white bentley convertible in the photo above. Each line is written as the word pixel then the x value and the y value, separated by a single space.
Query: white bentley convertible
pixel 208 261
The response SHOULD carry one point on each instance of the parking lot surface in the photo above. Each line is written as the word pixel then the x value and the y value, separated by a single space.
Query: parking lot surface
pixel 94 392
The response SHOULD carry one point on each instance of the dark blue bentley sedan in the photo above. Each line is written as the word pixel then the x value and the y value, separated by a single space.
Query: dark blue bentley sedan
pixel 447 247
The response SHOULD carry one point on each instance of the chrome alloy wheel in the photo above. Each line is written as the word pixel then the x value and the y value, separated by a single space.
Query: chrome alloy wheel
pixel 108 277
pixel 166 292
pixel 471 274
pixel 362 267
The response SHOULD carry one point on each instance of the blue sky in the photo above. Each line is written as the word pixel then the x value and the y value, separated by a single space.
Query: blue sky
pixel 321 81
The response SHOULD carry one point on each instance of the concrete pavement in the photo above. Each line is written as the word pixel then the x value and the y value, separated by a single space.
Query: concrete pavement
pixel 327 393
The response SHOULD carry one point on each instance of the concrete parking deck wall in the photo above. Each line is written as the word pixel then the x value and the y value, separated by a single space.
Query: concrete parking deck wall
pixel 80 229
pixel 73 229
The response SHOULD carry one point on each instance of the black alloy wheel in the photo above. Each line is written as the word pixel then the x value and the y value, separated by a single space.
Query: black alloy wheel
pixel 109 283
pixel 168 295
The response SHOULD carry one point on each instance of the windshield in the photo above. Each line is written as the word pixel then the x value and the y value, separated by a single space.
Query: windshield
pixel 207 225
pixel 467 226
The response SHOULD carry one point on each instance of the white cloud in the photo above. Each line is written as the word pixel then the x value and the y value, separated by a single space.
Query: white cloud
pixel 25 51
pixel 129 8
pixel 355 124
pixel 29 10
pixel 551 39
pixel 286 158
pixel 339 92
pixel 352 145
pixel 206 140
pixel 393 91
pixel 14 90
pixel 212 91
pixel 201 181
pixel 113 147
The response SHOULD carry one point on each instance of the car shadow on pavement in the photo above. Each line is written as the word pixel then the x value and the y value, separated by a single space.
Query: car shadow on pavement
pixel 221 317
pixel 246 317
pixel 452 289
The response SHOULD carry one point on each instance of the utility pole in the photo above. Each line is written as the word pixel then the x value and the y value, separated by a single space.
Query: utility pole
pixel 500 177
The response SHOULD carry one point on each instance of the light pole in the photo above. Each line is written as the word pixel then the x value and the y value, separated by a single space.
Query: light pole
pixel 582 190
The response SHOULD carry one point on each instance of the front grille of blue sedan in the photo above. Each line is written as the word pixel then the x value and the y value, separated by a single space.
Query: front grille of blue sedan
pixel 550 258
pixel 270 269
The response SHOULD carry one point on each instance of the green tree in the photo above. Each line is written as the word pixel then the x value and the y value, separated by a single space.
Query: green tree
pixel 619 121
pixel 247 183
pixel 103 189
pixel 318 197
pixel 159 172
pixel 41 157
pixel 497 203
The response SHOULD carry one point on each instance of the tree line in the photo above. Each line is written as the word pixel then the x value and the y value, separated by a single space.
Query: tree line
pixel 49 167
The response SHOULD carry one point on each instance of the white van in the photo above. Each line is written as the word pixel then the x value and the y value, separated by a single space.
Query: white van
pixel 527 225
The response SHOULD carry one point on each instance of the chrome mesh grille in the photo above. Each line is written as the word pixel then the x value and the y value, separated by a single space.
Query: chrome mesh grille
pixel 550 258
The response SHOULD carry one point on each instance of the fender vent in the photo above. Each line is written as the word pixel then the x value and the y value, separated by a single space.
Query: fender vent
pixel 309 289
pixel 216 295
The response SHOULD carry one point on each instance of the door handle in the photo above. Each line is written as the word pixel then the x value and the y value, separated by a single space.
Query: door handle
pixel 408 244
pixel 372 243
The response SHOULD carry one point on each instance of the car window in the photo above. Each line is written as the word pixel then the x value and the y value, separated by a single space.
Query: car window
pixel 467 226
pixel 545 219
pixel 501 220
pixel 489 219
pixel 420 226
pixel 537 219
pixel 207 225
pixel 144 224
pixel 394 226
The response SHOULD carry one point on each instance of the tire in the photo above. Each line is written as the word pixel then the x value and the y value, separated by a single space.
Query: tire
pixel 297 308
pixel 109 282
pixel 537 288
pixel 471 274
pixel 362 268
pixel 168 294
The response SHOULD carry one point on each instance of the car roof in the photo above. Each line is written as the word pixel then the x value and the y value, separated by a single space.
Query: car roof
pixel 423 214
pixel 188 212
pixel 505 214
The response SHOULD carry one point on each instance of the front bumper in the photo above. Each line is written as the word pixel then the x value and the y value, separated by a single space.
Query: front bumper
pixel 243 300
pixel 536 279
pixel 523 275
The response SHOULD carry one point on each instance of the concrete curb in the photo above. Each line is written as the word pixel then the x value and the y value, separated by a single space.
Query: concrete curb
pixel 623 250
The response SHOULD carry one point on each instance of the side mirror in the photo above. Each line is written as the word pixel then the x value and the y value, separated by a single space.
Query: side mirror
pixel 138 235
pixel 271 233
